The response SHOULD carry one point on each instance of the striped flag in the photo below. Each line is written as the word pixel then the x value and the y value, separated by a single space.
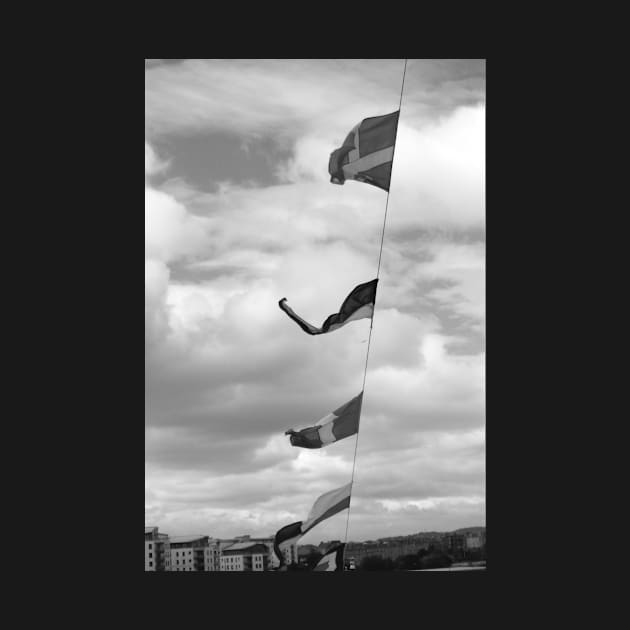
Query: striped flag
pixel 332 560
pixel 341 423
pixel 358 305
pixel 367 152
pixel 326 506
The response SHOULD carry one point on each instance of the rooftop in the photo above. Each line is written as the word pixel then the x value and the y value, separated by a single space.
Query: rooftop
pixel 186 539
pixel 243 545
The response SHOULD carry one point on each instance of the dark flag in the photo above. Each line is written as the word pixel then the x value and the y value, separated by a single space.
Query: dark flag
pixel 332 560
pixel 359 304
pixel 285 537
pixel 367 152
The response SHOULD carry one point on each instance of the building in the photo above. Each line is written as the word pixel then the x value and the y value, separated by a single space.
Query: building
pixel 245 556
pixel 202 553
pixel 194 553
pixel 157 555
pixel 384 549
pixel 213 555
pixel 272 563
pixel 475 540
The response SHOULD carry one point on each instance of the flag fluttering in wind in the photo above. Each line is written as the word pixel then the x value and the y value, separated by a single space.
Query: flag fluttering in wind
pixel 367 152
pixel 339 424
pixel 326 506
pixel 285 537
pixel 358 305
pixel 332 560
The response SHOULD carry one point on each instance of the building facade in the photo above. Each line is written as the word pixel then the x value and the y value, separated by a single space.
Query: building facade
pixel 156 550
pixel 270 563
pixel 193 553
pixel 202 553
pixel 385 550
pixel 245 556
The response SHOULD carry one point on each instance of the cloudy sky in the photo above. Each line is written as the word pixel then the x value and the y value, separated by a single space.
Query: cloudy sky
pixel 239 212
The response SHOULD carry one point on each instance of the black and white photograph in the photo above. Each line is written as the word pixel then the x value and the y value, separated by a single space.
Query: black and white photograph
pixel 315 301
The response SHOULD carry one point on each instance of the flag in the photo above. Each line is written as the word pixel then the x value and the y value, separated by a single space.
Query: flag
pixel 367 152
pixel 358 304
pixel 326 506
pixel 285 537
pixel 332 560
pixel 337 425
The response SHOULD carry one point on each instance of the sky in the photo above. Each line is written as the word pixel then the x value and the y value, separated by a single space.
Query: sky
pixel 239 213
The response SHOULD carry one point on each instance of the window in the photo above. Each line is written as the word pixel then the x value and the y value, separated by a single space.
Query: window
pixel 150 564
pixel 150 554
pixel 150 545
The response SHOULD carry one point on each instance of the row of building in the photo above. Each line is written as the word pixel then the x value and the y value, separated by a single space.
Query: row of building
pixel 203 553
pixel 244 553
pixel 455 544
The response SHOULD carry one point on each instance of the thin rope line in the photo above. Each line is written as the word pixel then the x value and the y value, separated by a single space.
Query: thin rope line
pixel 367 354
pixel 483 329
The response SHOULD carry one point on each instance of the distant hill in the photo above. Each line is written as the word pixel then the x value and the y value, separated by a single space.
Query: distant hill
pixel 470 530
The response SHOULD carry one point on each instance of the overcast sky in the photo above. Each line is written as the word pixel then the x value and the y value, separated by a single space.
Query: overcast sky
pixel 239 213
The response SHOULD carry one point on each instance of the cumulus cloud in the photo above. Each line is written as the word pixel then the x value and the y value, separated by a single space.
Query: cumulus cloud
pixel 152 163
pixel 228 372
pixel 286 98
pixel 170 232
pixel 252 97
pixel 439 171
pixel 156 276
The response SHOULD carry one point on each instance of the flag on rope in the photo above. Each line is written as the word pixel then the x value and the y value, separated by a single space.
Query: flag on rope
pixel 341 423
pixel 326 506
pixel 332 560
pixel 367 152
pixel 285 537
pixel 359 304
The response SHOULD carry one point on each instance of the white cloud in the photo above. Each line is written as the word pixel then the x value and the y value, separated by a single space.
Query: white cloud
pixel 152 163
pixel 438 171
pixel 463 267
pixel 156 276
pixel 287 98
pixel 255 97
pixel 170 231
